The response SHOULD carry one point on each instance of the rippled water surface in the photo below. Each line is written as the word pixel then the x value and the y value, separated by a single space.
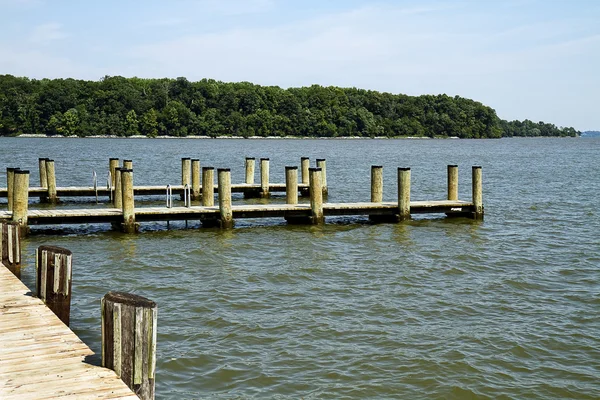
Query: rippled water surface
pixel 432 308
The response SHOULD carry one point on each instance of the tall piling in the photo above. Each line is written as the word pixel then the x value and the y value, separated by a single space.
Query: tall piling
pixel 403 194
pixel 225 211
pixel 322 163
pixel 54 266
pixel 264 178
pixel 10 247
pixel 316 196
pixel 127 164
pixel 195 192
pixel 291 185
pixel 129 225
pixel 10 186
pixel 118 196
pixel 250 161
pixel 21 200
pixel 376 183
pixel 51 177
pixel 129 340
pixel 113 163
pixel 452 182
pixel 208 186
pixel 43 177
pixel 304 169
pixel 477 183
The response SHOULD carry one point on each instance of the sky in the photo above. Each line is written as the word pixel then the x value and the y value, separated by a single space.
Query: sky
pixel 527 59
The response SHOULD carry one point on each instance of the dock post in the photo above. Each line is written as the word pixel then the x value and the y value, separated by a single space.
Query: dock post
pixel 51 177
pixel 43 177
pixel 304 166
pixel 224 178
pixel 250 170
pixel 118 196
pixel 403 194
pixel 21 200
pixel 208 186
pixel 264 178
pixel 316 196
pixel 376 183
pixel 10 247
pixel 113 163
pixel 129 340
pixel 195 179
pixel 452 182
pixel 127 164
pixel 129 225
pixel 186 173
pixel 291 185
pixel 10 186
pixel 54 274
pixel 477 193
pixel 322 163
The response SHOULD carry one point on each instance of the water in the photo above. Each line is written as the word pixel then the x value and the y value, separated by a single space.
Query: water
pixel 433 308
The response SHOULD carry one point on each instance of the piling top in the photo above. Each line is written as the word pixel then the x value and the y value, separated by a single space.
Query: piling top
pixel 207 168
pixel 320 159
pixel 186 158
pixel 264 159
pixel 250 158
pixel 452 166
pixel 476 166
pixel 112 158
pixel 49 160
pixel 376 166
pixel 289 168
pixel 127 160
pixel 223 169
pixel 56 249
pixel 303 158
pixel 195 159
pixel 21 171
pixel 12 169
pixel 315 169
pixel 129 299
pixel 403 168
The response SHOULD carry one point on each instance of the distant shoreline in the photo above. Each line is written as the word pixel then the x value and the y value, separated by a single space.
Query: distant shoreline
pixel 221 137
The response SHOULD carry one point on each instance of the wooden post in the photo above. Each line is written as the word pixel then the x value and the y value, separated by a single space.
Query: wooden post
pixel 224 177
pixel 403 194
pixel 129 340
pixel 305 165
pixel 452 182
pixel 316 196
pixel 10 247
pixel 10 186
pixel 264 178
pixel 186 170
pixel 43 177
pixel 118 196
pixel 51 177
pixel 477 193
pixel 21 199
pixel 127 164
pixel 376 183
pixel 250 170
pixel 291 185
pixel 113 163
pixel 129 224
pixel 195 179
pixel 54 275
pixel 321 163
pixel 208 186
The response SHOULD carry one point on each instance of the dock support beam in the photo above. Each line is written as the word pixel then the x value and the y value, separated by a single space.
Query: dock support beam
pixel 129 340
pixel 477 193
pixel 291 185
pixel 322 163
pixel 21 200
pixel 54 275
pixel 403 194
pixel 10 247
pixel 51 177
pixel 43 177
pixel 10 186
pixel 250 170
pixel 226 214
pixel 196 179
pixel 264 178
pixel 113 163
pixel 316 196
pixel 129 225
pixel 452 182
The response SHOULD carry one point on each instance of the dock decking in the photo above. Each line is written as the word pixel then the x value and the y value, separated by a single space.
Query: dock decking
pixel 41 358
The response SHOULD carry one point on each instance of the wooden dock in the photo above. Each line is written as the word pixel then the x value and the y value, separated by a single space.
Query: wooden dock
pixel 41 358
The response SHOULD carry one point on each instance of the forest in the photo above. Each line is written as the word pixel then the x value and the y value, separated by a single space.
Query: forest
pixel 119 106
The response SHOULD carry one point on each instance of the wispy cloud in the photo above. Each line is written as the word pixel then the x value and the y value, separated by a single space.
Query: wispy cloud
pixel 46 33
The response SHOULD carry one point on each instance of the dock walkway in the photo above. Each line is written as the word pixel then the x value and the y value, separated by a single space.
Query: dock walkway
pixel 41 358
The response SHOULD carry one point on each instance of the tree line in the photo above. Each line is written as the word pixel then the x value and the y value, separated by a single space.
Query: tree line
pixel 120 106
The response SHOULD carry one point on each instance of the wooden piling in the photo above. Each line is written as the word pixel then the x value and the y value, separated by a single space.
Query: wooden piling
pixel 452 182
pixel 291 185
pixel 264 178
pixel 477 192
pixel 403 194
pixel 113 163
pixel 54 274
pixel 129 224
pixel 304 167
pixel 195 192
pixel 51 178
pixel 376 183
pixel 43 176
pixel 186 170
pixel 129 340
pixel 322 163
pixel 208 186
pixel 10 247
pixel 250 161
pixel 21 199
pixel 316 196
pixel 226 214
pixel 118 195
pixel 127 164
pixel 10 186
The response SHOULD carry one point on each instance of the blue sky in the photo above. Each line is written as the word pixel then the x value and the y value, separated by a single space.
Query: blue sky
pixel 535 59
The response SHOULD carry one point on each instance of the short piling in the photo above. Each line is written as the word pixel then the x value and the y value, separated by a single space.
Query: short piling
pixel 127 164
pixel 226 214
pixel 10 186
pixel 322 163
pixel 376 183
pixel 304 167
pixel 208 186
pixel 477 193
pixel 250 161
pixel 452 182
pixel 264 178
pixel 113 163
pixel 196 179
pixel 403 194
pixel 10 247
pixel 21 199
pixel 129 225
pixel 129 340
pixel 291 185
pixel 51 178
pixel 316 196
pixel 54 275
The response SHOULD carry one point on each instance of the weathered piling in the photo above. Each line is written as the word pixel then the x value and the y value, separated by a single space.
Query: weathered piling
pixel 21 199
pixel 118 196
pixel 304 167
pixel 291 185
pixel 226 214
pixel 250 161
pixel 208 186
pixel 264 178
pixel 129 340
pixel 51 178
pixel 10 186
pixel 113 163
pixel 477 192
pixel 376 183
pixel 316 196
pixel 129 225
pixel 403 194
pixel 127 164
pixel 186 170
pixel 452 182
pixel 10 247
pixel 195 179
pixel 43 177
pixel 322 163
pixel 54 275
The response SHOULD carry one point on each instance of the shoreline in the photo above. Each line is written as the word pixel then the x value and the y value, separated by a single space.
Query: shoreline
pixel 228 137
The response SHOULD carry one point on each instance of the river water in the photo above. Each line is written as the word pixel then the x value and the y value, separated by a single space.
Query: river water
pixel 433 308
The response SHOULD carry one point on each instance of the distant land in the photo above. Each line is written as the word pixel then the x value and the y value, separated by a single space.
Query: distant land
pixel 132 107
pixel 590 134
